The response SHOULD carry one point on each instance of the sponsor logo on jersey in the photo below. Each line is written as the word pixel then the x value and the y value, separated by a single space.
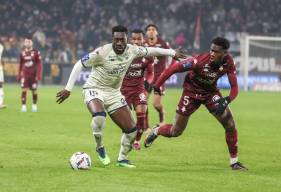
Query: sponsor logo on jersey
pixel 27 57
pixel 28 63
pixel 136 65
pixel 135 73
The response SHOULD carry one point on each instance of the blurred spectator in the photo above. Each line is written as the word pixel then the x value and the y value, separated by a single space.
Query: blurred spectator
pixel 72 27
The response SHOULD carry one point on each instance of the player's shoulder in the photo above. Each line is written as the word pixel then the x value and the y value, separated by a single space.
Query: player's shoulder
pixel 102 50
pixel 202 58
pixel 228 60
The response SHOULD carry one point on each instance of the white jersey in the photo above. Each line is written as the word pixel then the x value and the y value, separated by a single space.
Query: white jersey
pixel 108 68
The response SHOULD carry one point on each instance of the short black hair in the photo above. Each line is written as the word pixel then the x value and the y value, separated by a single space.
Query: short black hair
pixel 119 28
pixel 137 31
pixel 151 25
pixel 223 42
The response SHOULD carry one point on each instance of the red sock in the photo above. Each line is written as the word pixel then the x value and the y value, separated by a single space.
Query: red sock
pixel 139 134
pixel 141 124
pixel 146 119
pixel 231 140
pixel 161 113
pixel 34 98
pixel 23 97
pixel 165 130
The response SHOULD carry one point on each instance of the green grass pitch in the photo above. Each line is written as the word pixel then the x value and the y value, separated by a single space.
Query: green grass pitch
pixel 35 148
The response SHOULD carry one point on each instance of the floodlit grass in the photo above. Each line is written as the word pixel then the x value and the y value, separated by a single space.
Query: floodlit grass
pixel 35 148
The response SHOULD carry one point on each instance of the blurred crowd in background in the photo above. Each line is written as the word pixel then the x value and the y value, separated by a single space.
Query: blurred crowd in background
pixel 64 30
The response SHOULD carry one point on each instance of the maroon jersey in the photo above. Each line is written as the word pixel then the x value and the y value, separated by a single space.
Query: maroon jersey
pixel 30 64
pixel 135 74
pixel 159 62
pixel 201 78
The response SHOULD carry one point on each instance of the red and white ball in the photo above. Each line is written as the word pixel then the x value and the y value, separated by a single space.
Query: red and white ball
pixel 80 161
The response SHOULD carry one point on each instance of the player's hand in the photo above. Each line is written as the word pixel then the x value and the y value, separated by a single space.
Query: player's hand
pixel 180 54
pixel 222 103
pixel 147 86
pixel 62 95
pixel 18 78
pixel 157 90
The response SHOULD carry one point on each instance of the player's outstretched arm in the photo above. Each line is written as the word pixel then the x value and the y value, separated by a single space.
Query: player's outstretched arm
pixel 65 93
pixel 184 65
pixel 176 54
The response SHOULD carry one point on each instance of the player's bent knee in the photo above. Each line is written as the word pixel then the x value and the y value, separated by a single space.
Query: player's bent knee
pixel 132 130
pixel 98 122
pixel 176 133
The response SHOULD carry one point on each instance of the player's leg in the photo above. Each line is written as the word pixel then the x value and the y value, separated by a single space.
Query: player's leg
pixel 159 107
pixel 185 108
pixel 124 119
pixel 95 106
pixel 33 89
pixel 23 99
pixel 24 88
pixel 231 137
pixel 167 130
pixel 2 105
pixel 141 124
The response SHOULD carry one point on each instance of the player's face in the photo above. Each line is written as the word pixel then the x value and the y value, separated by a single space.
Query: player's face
pixel 151 32
pixel 216 53
pixel 28 43
pixel 137 39
pixel 119 42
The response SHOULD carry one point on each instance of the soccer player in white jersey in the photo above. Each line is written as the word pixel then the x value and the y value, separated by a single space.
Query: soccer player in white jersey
pixel 2 105
pixel 102 89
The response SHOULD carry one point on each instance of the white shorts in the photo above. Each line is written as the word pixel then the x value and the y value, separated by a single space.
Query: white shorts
pixel 112 100
pixel 1 74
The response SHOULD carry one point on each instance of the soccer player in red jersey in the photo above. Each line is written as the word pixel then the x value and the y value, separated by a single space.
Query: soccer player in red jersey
pixel 200 87
pixel 133 86
pixel 159 65
pixel 30 70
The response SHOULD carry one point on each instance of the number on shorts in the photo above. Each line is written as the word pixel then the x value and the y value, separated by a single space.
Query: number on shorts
pixel 123 101
pixel 93 93
pixel 185 100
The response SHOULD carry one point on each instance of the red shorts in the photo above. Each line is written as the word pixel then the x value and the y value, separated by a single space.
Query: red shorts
pixel 190 102
pixel 134 96
pixel 29 82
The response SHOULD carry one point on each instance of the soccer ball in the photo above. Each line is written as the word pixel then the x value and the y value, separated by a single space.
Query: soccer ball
pixel 80 160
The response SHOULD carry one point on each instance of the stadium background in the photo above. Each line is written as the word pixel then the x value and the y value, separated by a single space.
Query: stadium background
pixel 65 30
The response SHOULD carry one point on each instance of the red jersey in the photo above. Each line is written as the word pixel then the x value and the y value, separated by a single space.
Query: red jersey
pixel 202 75
pixel 135 74
pixel 159 62
pixel 30 64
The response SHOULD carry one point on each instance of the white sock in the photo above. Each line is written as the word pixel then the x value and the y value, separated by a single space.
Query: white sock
pixel 233 160
pixel 1 96
pixel 97 124
pixel 127 140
